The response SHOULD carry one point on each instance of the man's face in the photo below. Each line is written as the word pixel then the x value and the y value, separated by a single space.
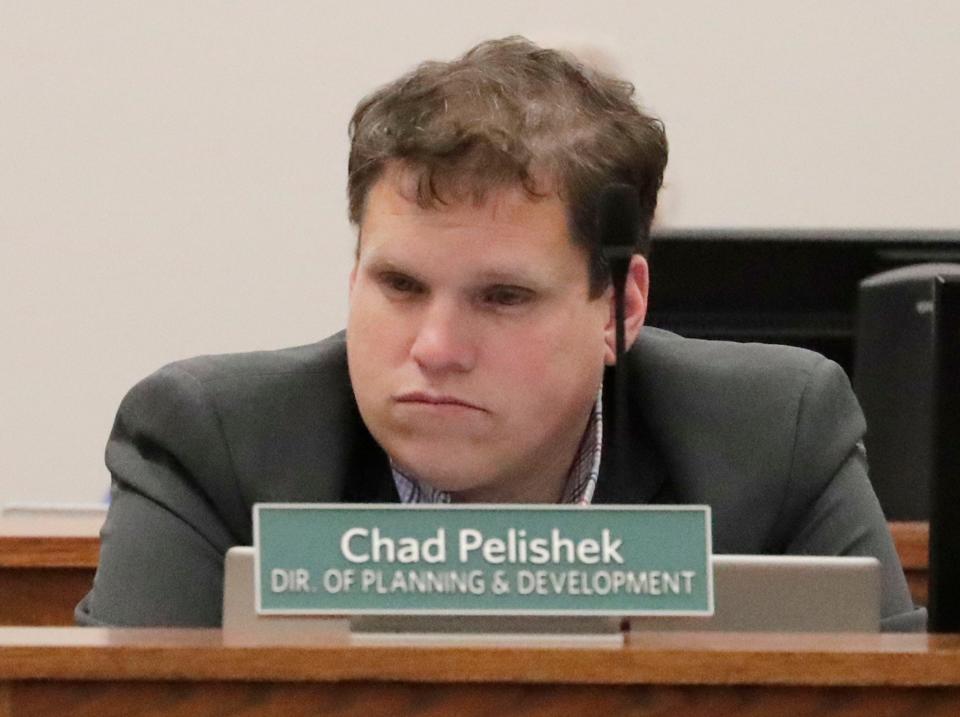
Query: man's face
pixel 475 350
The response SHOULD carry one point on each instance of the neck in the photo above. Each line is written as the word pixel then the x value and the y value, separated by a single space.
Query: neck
pixel 542 480
pixel 543 488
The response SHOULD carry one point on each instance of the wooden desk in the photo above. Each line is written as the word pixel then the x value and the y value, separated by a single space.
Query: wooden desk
pixel 191 672
pixel 46 566
pixel 912 541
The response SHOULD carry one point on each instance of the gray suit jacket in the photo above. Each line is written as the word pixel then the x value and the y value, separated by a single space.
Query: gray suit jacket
pixel 769 436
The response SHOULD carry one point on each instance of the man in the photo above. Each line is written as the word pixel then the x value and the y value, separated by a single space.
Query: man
pixel 480 326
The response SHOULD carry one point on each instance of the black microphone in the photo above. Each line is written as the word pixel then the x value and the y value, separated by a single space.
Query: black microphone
pixel 618 222
pixel 618 226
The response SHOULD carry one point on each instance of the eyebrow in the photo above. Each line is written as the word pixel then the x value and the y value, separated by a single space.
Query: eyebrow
pixel 379 263
pixel 509 276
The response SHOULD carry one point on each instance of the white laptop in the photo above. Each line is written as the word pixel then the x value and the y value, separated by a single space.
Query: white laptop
pixel 756 593
pixel 786 593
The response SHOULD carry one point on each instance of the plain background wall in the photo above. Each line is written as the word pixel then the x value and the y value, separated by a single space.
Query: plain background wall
pixel 172 173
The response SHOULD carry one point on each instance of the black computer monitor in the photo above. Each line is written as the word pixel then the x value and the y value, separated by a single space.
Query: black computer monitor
pixel 895 381
pixel 944 600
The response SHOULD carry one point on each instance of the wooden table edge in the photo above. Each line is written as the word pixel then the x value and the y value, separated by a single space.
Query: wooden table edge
pixel 890 662
pixel 21 551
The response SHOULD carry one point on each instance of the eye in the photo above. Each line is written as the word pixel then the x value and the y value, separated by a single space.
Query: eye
pixel 400 284
pixel 506 296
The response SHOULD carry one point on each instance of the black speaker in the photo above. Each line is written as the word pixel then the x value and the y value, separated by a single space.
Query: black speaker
pixel 893 377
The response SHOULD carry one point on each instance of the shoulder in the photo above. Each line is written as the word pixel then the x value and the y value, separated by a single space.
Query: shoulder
pixel 252 398
pixel 236 378
pixel 733 379
pixel 328 356
pixel 711 360
pixel 744 427
pixel 247 427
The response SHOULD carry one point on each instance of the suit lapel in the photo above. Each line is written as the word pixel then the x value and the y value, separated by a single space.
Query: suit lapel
pixel 638 475
pixel 369 480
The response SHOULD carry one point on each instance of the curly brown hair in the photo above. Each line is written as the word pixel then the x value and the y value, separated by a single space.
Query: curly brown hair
pixel 506 113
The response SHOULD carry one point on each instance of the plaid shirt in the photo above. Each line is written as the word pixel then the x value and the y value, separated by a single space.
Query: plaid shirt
pixel 581 478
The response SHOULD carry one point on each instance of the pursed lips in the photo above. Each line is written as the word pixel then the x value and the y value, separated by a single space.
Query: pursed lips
pixel 432 399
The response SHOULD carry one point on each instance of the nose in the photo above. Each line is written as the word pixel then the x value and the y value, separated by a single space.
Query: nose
pixel 444 340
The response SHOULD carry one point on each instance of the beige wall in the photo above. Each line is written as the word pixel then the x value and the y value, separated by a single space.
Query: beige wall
pixel 172 173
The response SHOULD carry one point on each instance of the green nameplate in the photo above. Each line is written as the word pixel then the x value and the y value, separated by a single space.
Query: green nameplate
pixel 335 559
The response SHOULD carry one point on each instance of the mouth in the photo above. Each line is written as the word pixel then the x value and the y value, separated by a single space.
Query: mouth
pixel 435 399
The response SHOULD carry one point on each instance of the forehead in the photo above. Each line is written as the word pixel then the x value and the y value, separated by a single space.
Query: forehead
pixel 506 221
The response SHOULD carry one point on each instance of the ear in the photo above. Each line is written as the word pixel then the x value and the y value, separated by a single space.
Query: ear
pixel 635 308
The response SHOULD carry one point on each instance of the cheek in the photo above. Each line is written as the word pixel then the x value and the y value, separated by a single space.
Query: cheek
pixel 375 333
pixel 561 353
pixel 367 352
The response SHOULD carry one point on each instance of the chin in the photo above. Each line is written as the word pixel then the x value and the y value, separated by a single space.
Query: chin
pixel 448 472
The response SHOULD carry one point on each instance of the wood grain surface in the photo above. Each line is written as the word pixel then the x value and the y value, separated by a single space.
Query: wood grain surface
pixel 50 541
pixel 47 565
pixel 913 540
pixel 653 658
pixel 379 699
pixel 74 671
pixel 41 596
